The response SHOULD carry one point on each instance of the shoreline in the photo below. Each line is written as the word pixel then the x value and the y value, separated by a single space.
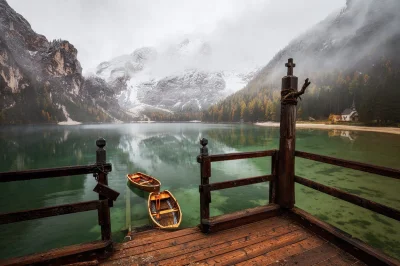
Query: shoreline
pixel 390 130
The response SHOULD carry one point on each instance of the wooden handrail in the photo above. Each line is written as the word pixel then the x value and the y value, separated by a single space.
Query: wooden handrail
pixel 379 170
pixel 237 183
pixel 106 195
pixel 54 172
pixel 367 204
pixel 13 217
pixel 240 155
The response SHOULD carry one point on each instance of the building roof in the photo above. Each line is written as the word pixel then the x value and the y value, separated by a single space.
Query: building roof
pixel 347 111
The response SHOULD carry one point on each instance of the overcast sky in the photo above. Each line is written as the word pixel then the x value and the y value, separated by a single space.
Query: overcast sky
pixel 249 30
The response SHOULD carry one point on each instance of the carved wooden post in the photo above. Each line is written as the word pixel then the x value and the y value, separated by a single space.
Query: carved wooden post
pixel 285 184
pixel 104 211
pixel 205 196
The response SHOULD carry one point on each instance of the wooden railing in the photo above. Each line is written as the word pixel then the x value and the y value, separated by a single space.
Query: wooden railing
pixel 99 170
pixel 208 223
pixel 367 204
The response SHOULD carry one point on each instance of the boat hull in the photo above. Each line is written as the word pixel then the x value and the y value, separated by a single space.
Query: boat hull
pixel 144 182
pixel 165 211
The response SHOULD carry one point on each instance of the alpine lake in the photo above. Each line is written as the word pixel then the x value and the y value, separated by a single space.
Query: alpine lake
pixel 168 152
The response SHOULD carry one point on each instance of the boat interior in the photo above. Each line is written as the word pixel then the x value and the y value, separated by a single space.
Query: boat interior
pixel 164 209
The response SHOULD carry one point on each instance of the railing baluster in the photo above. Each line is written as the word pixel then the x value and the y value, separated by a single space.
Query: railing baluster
pixel 272 184
pixel 104 210
pixel 205 195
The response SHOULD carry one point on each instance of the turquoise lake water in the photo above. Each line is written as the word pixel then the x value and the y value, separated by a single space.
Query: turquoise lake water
pixel 168 152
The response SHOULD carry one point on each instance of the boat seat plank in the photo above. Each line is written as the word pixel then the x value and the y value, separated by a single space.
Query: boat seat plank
pixel 165 212
pixel 162 196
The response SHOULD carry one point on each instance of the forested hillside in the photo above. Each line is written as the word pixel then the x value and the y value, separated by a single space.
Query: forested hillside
pixel 376 94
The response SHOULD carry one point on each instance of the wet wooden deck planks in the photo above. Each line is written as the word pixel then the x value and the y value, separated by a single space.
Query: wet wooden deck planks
pixel 273 241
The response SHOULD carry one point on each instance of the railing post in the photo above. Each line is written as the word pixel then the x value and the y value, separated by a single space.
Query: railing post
pixel 104 210
pixel 272 184
pixel 285 184
pixel 289 94
pixel 205 196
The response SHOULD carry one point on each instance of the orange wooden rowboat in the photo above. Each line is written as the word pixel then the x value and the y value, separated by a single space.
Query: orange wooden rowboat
pixel 144 182
pixel 164 210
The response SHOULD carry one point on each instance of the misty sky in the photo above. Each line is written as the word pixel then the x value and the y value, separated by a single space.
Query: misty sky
pixel 250 31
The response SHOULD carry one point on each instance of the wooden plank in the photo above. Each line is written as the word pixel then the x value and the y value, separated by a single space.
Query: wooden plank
pixel 163 250
pixel 84 263
pixel 341 259
pixel 235 219
pixel 367 204
pixel 237 183
pixel 353 246
pixel 60 256
pixel 53 172
pixel 219 247
pixel 133 235
pixel 284 251
pixel 253 251
pixel 162 237
pixel 14 217
pixel 311 256
pixel 369 168
pixel 240 155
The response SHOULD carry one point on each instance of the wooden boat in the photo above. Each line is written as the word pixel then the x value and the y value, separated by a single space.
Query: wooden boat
pixel 144 182
pixel 164 210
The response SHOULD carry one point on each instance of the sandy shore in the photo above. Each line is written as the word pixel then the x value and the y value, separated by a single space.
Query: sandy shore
pixel 69 123
pixel 391 130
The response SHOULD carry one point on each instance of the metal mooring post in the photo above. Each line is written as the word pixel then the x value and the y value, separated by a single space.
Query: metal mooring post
pixel 289 94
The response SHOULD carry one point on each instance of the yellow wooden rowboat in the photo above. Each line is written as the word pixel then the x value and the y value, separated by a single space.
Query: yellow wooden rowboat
pixel 144 182
pixel 164 210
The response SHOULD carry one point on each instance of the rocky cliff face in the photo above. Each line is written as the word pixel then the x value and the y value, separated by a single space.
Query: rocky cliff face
pixel 41 80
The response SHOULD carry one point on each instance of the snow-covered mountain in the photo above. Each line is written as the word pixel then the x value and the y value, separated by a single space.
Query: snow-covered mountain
pixel 176 79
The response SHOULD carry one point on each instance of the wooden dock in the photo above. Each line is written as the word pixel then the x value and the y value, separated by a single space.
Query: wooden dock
pixel 274 241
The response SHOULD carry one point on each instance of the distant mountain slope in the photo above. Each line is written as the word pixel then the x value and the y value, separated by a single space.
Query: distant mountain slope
pixel 41 81
pixel 171 81
pixel 351 55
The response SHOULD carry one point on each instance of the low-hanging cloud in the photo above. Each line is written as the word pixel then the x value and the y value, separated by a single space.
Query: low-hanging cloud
pixel 241 33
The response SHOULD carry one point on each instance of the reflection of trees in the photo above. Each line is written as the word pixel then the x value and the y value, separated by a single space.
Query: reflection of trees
pixel 245 136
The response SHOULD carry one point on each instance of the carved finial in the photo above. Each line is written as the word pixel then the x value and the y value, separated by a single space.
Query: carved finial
pixel 101 142
pixel 204 142
pixel 290 65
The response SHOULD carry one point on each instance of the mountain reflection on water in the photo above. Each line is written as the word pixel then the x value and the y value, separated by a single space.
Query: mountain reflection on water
pixel 168 152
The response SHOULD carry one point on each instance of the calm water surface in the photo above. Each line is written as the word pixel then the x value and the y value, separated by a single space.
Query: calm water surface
pixel 168 152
